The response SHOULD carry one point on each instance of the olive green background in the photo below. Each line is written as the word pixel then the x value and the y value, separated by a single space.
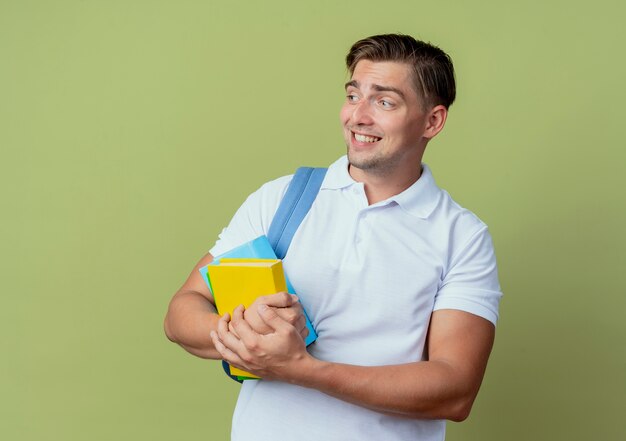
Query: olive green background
pixel 130 131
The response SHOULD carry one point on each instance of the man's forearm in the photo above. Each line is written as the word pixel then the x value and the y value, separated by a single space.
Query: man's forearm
pixel 444 387
pixel 190 319
pixel 429 389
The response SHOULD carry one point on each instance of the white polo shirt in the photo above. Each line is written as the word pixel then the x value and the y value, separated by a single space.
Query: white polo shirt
pixel 369 277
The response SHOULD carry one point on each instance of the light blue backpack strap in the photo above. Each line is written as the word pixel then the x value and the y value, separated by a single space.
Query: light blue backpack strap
pixel 296 203
pixel 294 207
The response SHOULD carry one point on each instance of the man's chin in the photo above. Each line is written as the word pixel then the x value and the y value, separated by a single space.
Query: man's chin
pixel 362 162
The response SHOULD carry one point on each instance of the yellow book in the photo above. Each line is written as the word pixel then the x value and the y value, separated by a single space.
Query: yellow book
pixel 239 281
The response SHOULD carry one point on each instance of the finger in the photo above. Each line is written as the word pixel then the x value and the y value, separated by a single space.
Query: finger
pixel 238 316
pixel 304 333
pixel 229 346
pixel 229 339
pixel 226 354
pixel 301 323
pixel 288 315
pixel 225 317
pixel 248 336
pixel 291 314
pixel 251 316
pixel 302 328
pixel 217 343
pixel 230 323
pixel 279 300
pixel 273 320
pixel 231 328
pixel 223 323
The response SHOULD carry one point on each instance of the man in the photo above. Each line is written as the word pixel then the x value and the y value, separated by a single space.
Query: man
pixel 399 281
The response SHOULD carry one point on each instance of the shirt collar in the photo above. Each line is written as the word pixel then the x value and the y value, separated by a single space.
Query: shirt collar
pixel 337 175
pixel 420 199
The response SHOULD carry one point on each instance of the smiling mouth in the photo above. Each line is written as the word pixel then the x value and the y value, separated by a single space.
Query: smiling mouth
pixel 365 138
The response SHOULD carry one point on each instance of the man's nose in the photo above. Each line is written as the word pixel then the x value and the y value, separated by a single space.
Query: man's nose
pixel 362 113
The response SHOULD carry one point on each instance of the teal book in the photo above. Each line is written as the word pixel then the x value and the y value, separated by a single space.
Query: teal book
pixel 259 248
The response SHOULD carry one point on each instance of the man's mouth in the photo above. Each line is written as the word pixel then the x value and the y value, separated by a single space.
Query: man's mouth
pixel 365 138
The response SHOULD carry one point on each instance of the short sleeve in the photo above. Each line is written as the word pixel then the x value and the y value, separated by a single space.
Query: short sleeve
pixel 253 218
pixel 471 282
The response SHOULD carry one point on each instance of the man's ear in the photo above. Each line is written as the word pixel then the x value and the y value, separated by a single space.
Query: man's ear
pixel 435 121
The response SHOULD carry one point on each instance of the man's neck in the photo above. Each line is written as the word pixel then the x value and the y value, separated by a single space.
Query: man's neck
pixel 382 186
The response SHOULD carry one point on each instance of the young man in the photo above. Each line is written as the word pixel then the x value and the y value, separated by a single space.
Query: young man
pixel 399 281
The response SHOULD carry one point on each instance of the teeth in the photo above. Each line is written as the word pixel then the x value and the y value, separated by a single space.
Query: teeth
pixel 363 138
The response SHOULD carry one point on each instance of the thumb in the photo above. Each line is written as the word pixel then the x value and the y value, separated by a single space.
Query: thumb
pixel 271 319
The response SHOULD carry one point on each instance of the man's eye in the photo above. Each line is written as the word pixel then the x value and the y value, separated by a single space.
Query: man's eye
pixel 352 98
pixel 386 104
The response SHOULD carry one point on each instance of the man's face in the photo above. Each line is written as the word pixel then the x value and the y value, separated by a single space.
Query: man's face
pixel 383 120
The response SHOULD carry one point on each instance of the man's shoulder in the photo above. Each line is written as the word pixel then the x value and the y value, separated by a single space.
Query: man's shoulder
pixel 270 192
pixel 276 185
pixel 457 218
pixel 254 216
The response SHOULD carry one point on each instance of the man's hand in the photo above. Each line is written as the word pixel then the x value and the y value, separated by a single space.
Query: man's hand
pixel 275 355
pixel 285 305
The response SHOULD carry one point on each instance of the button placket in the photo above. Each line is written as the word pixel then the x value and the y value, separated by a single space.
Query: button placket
pixel 362 227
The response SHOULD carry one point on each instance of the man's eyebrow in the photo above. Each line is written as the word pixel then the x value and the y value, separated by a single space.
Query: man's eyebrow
pixel 395 90
pixel 377 88
pixel 352 83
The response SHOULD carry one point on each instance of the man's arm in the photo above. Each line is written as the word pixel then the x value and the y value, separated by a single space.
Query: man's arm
pixel 192 316
pixel 444 387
